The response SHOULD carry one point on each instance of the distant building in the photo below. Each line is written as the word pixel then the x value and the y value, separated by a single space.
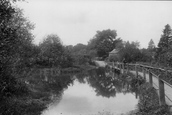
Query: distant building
pixel 113 55
pixel 114 52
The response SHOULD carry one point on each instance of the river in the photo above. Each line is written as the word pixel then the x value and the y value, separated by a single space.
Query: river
pixel 96 92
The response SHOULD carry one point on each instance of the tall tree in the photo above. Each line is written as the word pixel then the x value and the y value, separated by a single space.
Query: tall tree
pixel 165 38
pixel 104 42
pixel 130 52
pixel 51 50
pixel 53 53
pixel 151 45
pixel 150 50
pixel 163 54
pixel 11 43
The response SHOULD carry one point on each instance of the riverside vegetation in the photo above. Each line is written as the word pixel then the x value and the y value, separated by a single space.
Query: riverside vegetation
pixel 148 99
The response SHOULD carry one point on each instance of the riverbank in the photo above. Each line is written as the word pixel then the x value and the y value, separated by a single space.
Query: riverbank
pixel 148 99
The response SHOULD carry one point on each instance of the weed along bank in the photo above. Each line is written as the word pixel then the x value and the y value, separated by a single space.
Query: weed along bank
pixel 153 85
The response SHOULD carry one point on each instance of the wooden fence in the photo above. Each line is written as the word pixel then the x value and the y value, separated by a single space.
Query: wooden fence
pixel 163 76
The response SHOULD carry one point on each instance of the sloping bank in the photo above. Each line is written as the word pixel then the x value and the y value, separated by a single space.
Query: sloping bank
pixel 148 99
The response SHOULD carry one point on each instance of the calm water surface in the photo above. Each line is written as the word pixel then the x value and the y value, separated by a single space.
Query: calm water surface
pixel 93 93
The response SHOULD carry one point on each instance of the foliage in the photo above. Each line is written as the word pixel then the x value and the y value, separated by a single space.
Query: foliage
pixel 81 59
pixel 78 47
pixel 104 42
pixel 148 99
pixel 165 39
pixel 20 96
pixel 163 53
pixel 150 51
pixel 146 55
pixel 80 54
pixel 130 52
pixel 149 103
pixel 92 53
pixel 53 53
pixel 15 39
pixel 151 45
pixel 136 83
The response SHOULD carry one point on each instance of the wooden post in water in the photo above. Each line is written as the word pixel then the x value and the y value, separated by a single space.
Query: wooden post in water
pixel 136 95
pixel 136 69
pixel 161 91
pixel 150 77
pixel 123 67
pixel 144 73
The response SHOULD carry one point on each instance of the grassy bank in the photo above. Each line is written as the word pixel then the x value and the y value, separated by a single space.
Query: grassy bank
pixel 148 99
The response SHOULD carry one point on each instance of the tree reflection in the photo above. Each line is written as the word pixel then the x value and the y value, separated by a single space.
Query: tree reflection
pixel 47 89
pixel 103 84
pixel 106 83
pixel 81 77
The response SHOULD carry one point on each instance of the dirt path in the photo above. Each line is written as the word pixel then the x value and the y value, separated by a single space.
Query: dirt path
pixel 100 63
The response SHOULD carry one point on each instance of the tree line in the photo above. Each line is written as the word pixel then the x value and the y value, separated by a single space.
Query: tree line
pixel 106 40
pixel 21 94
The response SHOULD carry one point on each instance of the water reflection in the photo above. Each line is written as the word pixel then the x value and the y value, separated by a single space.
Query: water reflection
pixel 91 92
pixel 46 89
pixel 106 83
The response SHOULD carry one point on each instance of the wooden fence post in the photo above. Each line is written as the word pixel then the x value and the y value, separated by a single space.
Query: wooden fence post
pixel 166 73
pixel 136 69
pixel 144 73
pixel 150 77
pixel 127 67
pixel 136 95
pixel 119 65
pixel 123 67
pixel 161 91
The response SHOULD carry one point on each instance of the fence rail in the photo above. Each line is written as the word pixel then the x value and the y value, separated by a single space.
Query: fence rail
pixel 163 76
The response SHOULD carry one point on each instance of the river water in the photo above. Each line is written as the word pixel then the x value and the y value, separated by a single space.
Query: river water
pixel 96 92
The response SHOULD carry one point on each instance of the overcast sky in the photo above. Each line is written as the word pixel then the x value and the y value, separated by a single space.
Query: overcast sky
pixel 77 21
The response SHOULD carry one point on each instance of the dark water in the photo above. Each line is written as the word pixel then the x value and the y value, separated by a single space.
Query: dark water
pixel 96 92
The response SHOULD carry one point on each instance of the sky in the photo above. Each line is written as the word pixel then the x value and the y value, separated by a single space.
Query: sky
pixel 76 21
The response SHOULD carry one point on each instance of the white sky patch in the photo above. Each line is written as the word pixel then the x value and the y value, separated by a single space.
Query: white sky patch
pixel 77 21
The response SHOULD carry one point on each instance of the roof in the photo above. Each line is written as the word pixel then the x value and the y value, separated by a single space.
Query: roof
pixel 114 51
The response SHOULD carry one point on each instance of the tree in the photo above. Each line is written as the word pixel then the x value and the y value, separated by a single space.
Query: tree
pixel 78 47
pixel 51 50
pixel 146 55
pixel 11 43
pixel 163 53
pixel 165 39
pixel 23 39
pixel 151 45
pixel 130 52
pixel 16 39
pixel 151 50
pixel 53 53
pixel 104 42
